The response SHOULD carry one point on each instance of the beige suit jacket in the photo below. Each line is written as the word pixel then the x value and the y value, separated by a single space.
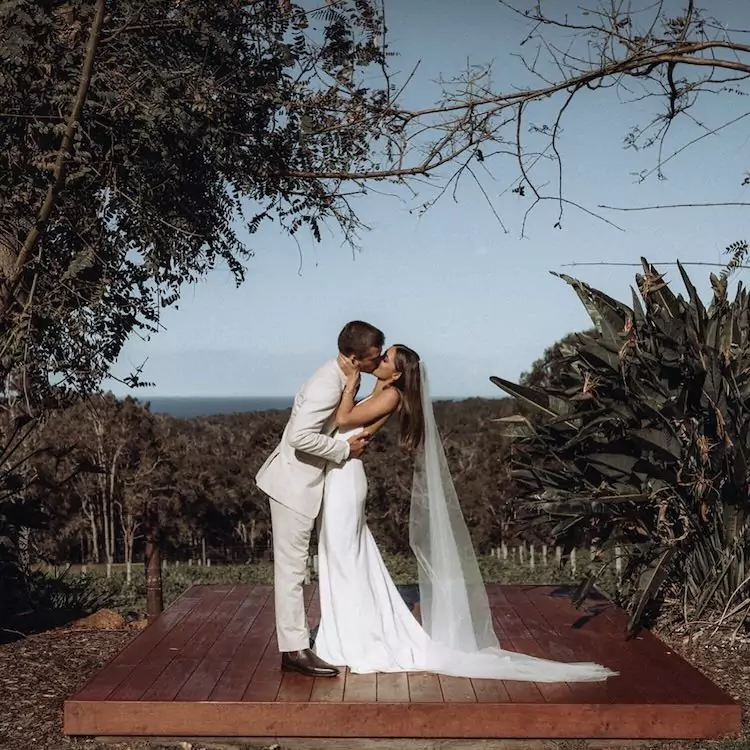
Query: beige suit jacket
pixel 294 473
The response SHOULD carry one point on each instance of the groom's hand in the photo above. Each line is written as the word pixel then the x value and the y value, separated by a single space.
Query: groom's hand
pixel 357 445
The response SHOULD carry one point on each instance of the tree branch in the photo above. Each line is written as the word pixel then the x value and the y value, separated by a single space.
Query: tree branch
pixel 718 204
pixel 61 163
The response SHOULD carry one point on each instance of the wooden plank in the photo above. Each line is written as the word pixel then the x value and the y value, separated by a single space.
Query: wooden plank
pixel 511 633
pixel 207 674
pixel 327 689
pixel 265 682
pixel 438 706
pixel 236 677
pixel 680 672
pixel 360 688
pixel 592 638
pixel 166 686
pixel 295 688
pixel 211 640
pixel 457 689
pixel 592 641
pixel 104 683
pixel 174 677
pixel 554 640
pixel 490 691
pixel 120 667
pixel 139 648
pixel 421 720
pixel 537 628
pixel 392 687
pixel 145 673
pixel 424 688
pixel 513 636
pixel 214 625
pixel 242 621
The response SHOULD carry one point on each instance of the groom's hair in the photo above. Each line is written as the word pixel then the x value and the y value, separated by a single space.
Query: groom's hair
pixel 357 337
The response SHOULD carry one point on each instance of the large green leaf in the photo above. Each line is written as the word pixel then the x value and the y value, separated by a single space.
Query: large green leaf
pixel 697 311
pixel 608 315
pixel 531 396
pixel 652 580
pixel 658 295
pixel 514 426
pixel 658 440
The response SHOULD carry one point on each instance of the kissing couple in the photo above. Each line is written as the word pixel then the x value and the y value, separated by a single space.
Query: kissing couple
pixel 316 473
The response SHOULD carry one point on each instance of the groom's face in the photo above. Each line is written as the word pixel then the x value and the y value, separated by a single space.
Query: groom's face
pixel 370 360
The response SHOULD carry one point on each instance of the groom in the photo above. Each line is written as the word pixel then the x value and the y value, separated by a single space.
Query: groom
pixel 293 478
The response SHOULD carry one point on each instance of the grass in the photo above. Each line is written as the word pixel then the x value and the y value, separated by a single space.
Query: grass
pixel 114 592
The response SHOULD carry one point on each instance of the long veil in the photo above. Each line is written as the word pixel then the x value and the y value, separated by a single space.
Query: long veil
pixel 453 599
pixel 456 614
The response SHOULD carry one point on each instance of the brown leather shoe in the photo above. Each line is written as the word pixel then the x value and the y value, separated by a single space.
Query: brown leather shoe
pixel 308 663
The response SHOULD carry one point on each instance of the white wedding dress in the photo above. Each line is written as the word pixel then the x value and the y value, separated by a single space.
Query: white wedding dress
pixel 365 623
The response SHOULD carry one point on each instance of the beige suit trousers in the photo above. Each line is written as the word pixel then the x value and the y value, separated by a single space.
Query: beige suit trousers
pixel 291 544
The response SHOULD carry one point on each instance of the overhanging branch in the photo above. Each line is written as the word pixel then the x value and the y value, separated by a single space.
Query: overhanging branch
pixel 61 163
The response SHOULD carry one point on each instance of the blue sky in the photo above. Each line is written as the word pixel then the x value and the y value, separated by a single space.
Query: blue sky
pixel 473 299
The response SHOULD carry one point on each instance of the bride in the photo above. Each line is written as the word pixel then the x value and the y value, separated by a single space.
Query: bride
pixel 365 624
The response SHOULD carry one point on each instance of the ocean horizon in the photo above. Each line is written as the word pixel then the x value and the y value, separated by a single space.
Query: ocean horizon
pixel 207 406
pixel 187 407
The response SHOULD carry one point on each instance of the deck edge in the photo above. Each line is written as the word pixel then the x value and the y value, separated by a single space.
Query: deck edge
pixel 392 720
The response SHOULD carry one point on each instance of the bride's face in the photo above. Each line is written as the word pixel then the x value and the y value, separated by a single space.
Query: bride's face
pixel 386 370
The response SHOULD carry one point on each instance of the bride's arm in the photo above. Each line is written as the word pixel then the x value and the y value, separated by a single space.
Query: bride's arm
pixel 375 426
pixel 378 407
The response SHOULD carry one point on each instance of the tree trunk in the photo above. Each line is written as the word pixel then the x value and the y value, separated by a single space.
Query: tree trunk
pixel 111 490
pixel 96 552
pixel 106 523
pixel 129 529
pixel 154 593
pixel 24 548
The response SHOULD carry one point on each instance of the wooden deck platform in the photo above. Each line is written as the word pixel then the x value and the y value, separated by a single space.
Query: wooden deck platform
pixel 208 667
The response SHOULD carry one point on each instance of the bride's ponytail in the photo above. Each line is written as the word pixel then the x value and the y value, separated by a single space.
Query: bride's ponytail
pixel 411 416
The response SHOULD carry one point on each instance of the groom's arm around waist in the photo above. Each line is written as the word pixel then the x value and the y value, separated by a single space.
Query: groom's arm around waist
pixel 319 400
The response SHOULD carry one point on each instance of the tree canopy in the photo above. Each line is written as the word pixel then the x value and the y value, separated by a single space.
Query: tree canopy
pixel 139 141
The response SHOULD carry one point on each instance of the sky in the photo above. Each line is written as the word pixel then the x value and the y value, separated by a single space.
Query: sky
pixel 473 297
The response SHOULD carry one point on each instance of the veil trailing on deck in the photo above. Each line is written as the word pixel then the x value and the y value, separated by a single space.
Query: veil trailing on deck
pixel 456 614
pixel 453 599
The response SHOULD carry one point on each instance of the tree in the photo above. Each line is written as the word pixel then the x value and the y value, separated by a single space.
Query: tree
pixel 138 138
pixel 135 140
pixel 645 445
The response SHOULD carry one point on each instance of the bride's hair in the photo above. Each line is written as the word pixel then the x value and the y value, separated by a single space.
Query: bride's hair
pixel 411 416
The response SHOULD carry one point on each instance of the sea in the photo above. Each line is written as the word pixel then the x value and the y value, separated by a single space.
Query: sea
pixel 204 406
